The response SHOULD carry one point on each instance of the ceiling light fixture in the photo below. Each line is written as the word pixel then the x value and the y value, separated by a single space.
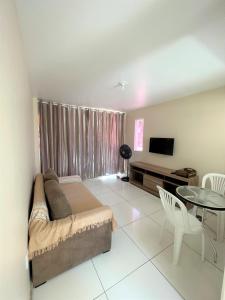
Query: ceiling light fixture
pixel 122 85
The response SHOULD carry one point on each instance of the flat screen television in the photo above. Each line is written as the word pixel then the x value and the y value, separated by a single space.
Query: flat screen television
pixel 161 145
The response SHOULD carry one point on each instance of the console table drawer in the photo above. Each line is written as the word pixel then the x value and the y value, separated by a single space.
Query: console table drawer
pixel 151 185
pixel 147 179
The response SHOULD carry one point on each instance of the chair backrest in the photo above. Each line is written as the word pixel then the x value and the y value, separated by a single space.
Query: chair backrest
pixel 217 182
pixel 171 204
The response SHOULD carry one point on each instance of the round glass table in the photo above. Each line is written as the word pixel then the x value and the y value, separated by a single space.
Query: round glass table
pixel 201 197
pixel 204 198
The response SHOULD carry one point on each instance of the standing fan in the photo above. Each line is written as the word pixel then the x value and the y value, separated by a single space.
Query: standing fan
pixel 126 153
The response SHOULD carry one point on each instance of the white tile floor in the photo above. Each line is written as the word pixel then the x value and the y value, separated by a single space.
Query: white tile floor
pixel 138 265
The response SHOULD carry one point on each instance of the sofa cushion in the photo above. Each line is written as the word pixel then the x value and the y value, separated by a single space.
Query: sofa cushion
pixel 58 204
pixel 50 174
pixel 79 197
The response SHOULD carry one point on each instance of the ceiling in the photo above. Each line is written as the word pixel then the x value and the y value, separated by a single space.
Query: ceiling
pixel 78 50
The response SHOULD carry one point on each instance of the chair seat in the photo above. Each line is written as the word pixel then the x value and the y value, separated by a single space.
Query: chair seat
pixel 182 221
pixel 195 224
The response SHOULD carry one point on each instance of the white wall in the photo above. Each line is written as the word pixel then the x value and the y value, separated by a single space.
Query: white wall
pixel 37 158
pixel 16 157
pixel 198 125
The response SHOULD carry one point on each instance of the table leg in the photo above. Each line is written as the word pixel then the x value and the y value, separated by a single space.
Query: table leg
pixel 210 241
pixel 213 248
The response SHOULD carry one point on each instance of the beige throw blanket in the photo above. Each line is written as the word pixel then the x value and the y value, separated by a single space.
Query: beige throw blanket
pixel 45 235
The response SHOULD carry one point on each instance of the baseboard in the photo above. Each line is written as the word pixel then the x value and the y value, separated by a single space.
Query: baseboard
pixel 31 290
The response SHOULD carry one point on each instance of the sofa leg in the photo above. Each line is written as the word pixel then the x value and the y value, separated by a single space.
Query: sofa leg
pixel 106 251
pixel 40 284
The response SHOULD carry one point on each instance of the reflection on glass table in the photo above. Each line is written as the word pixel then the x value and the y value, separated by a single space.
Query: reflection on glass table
pixel 205 198
pixel 202 197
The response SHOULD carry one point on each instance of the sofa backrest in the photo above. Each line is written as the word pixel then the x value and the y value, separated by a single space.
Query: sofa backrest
pixel 39 209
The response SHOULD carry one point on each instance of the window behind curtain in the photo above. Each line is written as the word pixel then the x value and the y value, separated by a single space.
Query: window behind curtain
pixel 82 141
pixel 138 134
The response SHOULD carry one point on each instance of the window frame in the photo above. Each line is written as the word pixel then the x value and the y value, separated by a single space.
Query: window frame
pixel 138 145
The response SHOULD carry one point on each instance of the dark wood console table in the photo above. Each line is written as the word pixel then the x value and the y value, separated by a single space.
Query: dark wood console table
pixel 147 177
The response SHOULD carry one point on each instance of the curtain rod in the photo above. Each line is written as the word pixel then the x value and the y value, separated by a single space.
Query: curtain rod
pixel 80 106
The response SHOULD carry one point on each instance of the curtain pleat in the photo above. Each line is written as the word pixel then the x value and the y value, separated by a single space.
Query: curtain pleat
pixel 76 140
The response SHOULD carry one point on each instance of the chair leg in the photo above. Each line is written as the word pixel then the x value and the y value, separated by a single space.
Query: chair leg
pixel 178 237
pixel 203 246
pixel 220 226
pixel 162 229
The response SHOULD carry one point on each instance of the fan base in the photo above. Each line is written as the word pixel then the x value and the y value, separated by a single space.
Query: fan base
pixel 126 178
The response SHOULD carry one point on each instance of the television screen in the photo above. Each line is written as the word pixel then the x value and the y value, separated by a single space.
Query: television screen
pixel 161 145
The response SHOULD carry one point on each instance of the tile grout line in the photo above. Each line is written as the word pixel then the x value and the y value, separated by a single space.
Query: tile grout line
pixel 189 246
pixel 144 216
pixel 192 249
pixel 153 257
pixel 118 194
pixel 135 243
pixel 127 275
pixel 154 212
pixel 149 216
pixel 168 280
pixel 131 222
pixel 100 295
pixel 135 207
pixel 206 259
pixel 105 290
pixel 127 201
pixel 124 199
pixel 99 280
pixel 150 260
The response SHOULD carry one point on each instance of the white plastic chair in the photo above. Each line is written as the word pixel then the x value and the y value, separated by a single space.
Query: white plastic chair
pixel 217 184
pixel 183 222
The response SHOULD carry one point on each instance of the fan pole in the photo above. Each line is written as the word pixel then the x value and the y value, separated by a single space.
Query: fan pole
pixel 126 178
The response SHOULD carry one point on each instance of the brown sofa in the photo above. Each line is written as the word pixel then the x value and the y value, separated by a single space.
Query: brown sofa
pixel 56 246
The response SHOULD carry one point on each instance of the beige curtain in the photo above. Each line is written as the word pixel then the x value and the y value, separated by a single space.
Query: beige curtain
pixel 76 140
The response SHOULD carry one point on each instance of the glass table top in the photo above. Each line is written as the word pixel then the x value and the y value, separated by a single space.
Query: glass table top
pixel 201 197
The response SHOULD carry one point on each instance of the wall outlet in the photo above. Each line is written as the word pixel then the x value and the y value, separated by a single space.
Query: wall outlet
pixel 26 262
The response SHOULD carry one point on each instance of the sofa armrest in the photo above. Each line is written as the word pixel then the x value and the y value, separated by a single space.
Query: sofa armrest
pixel 94 217
pixel 70 179
pixel 45 236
